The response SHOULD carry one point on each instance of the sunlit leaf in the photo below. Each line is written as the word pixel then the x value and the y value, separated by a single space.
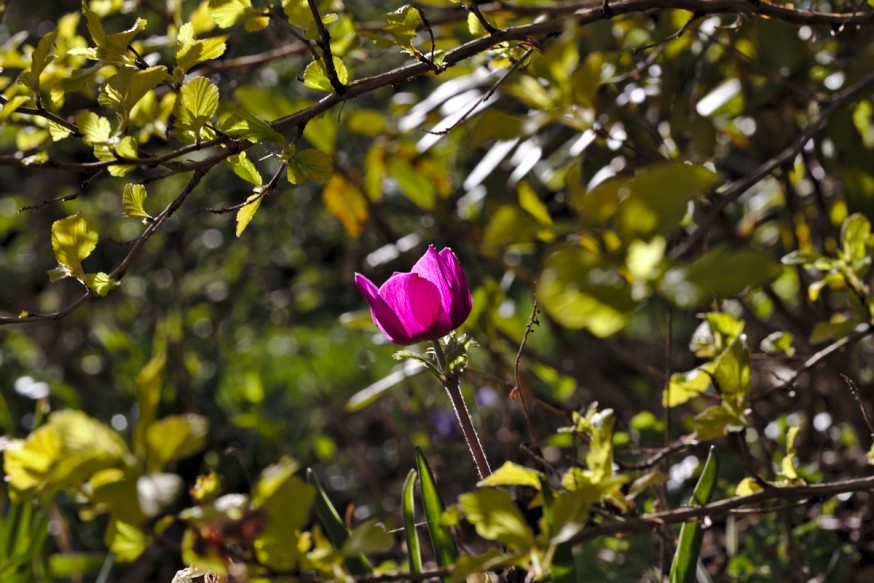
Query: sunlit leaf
pixel 100 283
pixel 512 474
pixel 132 200
pixel 316 77
pixel 175 437
pixel 347 203
pixel 444 547
pixel 411 534
pixel 692 533
pixel 496 517
pixel 245 169
pixel 73 239
pixel 247 211
pixel 94 128
pixel 369 537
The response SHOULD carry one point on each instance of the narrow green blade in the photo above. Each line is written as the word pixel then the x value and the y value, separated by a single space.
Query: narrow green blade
pixel 408 506
pixel 444 546
pixel 691 533
pixel 334 526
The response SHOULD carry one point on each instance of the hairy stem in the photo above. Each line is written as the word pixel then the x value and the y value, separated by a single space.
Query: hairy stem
pixel 453 389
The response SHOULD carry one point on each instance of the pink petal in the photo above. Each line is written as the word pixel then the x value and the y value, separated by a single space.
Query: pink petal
pixel 383 316
pixel 432 268
pixel 462 302
pixel 416 302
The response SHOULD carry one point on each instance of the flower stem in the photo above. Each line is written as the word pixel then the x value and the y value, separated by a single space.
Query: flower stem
pixel 453 389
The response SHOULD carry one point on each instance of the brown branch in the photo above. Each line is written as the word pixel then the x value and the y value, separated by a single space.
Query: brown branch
pixel 687 514
pixel 324 43
pixel 815 360
pixel 737 188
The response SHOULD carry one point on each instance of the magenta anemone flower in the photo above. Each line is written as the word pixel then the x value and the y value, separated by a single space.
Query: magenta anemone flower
pixel 425 304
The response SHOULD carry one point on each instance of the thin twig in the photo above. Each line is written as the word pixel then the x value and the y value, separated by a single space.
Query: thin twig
pixel 815 360
pixel 324 43
pixel 858 397
pixel 517 375
pixel 722 507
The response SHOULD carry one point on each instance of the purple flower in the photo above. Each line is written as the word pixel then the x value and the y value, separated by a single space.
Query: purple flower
pixel 425 304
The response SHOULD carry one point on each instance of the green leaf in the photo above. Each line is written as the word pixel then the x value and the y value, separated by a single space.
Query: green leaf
pixel 67 565
pixel 244 124
pixel 369 537
pixel 444 547
pixel 334 526
pixel 746 487
pixel 788 468
pixel 531 203
pixel 687 385
pixel 73 239
pixel 580 290
pixel 245 169
pixel 691 533
pixel 95 129
pixel 512 474
pixel 732 373
pixel 855 233
pixel 174 438
pixel 310 163
pixel 117 43
pixel 570 513
pixel 316 77
pixel 190 52
pixel 100 283
pixel 412 183
pixel 411 534
pixel 127 542
pixel 95 27
pixel 716 421
pixel 227 13
pixel 510 226
pixel 287 500
pixel 366 122
pixel 658 198
pixel 402 24
pixel 721 273
pixel 196 104
pixel 497 518
pixel 40 57
pixel 141 82
pixel 132 200
pixel 247 211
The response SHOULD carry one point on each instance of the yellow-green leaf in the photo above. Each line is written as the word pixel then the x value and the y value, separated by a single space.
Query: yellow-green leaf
pixel 140 83
pixel 746 487
pixel 173 438
pixel 196 104
pixel 310 163
pixel 41 57
pixel 247 211
pixel 316 77
pixel 100 283
pixel 245 169
pixel 347 203
pixel 532 204
pixel 132 201
pixel 73 239
pixel 94 128
pixel 190 52
pixel 227 13
pixel 497 518
pixel 127 542
pixel 512 474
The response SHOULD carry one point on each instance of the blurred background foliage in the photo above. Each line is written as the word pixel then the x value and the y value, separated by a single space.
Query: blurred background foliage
pixel 630 173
